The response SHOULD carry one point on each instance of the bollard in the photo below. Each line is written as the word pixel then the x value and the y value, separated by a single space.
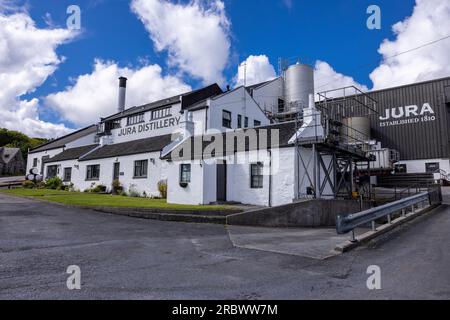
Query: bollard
pixel 389 219
pixel 403 212
pixel 373 226
pixel 352 236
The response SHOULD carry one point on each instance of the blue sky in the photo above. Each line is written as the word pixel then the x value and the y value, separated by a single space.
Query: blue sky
pixel 334 32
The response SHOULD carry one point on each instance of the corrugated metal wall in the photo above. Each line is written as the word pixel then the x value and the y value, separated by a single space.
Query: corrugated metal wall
pixel 418 140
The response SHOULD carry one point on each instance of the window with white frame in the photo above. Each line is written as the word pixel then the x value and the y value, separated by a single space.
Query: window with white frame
pixel 256 175
pixel 162 113
pixel 226 119
pixel 135 119
pixel 185 173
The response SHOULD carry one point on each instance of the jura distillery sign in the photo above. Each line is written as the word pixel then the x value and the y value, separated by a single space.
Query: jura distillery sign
pixel 149 126
pixel 407 115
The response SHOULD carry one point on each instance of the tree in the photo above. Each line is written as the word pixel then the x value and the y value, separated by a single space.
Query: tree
pixel 16 139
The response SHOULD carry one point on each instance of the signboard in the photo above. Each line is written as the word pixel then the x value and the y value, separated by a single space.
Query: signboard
pixel 407 115
pixel 149 126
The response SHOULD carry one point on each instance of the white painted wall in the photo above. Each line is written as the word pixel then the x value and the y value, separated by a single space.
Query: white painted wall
pixel 39 156
pixel 203 188
pixel 61 165
pixel 418 166
pixel 238 101
pixel 193 193
pixel 267 95
pixel 149 185
pixel 199 118
pixel 83 141
pixel 175 119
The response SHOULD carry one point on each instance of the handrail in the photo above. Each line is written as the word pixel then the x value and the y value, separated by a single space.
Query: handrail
pixel 345 224
pixel 443 174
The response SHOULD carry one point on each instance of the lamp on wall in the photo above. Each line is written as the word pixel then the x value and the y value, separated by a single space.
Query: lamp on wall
pixel 152 160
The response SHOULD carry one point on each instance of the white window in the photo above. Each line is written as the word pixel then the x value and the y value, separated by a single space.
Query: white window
pixel 135 119
pixel 256 175
pixel 162 113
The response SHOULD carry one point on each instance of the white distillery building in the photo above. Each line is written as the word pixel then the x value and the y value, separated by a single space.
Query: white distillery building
pixel 269 144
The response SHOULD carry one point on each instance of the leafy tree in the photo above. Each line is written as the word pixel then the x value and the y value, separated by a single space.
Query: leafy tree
pixel 16 139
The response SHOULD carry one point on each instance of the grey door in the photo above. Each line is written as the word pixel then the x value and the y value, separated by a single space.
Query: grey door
pixel 116 174
pixel 222 181
pixel 44 158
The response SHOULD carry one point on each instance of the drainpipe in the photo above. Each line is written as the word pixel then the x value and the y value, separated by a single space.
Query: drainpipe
pixel 270 177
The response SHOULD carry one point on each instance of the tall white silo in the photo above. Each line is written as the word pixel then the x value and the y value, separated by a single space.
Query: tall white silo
pixel 298 85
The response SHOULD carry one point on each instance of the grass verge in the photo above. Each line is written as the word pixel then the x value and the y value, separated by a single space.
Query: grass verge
pixel 105 200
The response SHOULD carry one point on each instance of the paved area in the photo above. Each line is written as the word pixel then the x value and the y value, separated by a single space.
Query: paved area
pixel 316 243
pixel 126 258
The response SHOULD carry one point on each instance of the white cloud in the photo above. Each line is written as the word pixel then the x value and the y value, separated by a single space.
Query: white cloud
pixel 255 69
pixel 94 95
pixel 326 78
pixel 430 21
pixel 27 58
pixel 195 35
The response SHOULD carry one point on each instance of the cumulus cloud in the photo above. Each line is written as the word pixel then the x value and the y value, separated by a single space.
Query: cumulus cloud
pixel 255 69
pixel 94 95
pixel 27 58
pixel 326 78
pixel 430 21
pixel 195 35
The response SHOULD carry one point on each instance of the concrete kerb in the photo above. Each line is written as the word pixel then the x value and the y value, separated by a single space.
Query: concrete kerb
pixel 383 229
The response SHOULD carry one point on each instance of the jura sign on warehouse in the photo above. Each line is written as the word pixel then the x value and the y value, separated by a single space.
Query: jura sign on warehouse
pixel 407 115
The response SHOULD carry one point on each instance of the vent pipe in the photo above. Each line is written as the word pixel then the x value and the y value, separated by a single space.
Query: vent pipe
pixel 122 93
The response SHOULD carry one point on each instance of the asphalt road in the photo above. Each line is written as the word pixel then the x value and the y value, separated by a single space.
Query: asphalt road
pixel 126 258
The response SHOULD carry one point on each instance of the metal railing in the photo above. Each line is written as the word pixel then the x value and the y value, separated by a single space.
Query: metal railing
pixel 345 224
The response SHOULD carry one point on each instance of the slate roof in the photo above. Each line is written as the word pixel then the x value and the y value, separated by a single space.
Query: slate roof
pixel 7 154
pixel 187 100
pixel 286 131
pixel 133 147
pixel 61 142
pixel 72 154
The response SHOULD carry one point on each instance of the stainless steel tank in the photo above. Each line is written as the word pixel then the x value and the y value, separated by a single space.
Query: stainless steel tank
pixel 298 85
pixel 356 129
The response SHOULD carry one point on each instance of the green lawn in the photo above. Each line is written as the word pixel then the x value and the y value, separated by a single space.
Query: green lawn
pixel 101 200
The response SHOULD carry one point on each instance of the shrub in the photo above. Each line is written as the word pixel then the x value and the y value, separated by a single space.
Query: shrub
pixel 71 187
pixel 117 187
pixel 133 192
pixel 162 188
pixel 53 183
pixel 40 185
pixel 28 184
pixel 99 189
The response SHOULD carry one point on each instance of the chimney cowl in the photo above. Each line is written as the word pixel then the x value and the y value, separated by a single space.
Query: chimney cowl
pixel 123 82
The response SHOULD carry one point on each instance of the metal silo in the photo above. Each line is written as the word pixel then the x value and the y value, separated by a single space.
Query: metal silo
pixel 356 129
pixel 299 84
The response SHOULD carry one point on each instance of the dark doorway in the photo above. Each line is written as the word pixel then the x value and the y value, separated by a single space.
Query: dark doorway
pixel 400 168
pixel 43 160
pixel 116 173
pixel 222 181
